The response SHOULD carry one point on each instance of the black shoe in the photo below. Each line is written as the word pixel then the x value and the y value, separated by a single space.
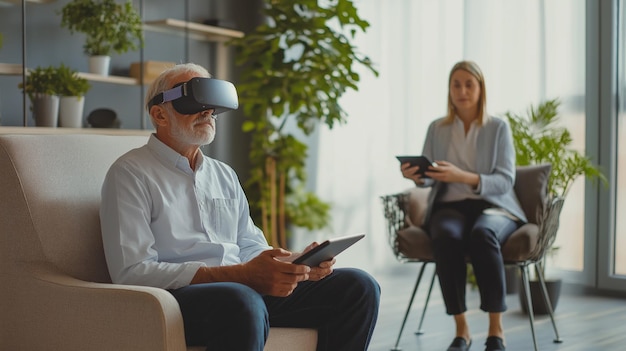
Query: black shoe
pixel 494 343
pixel 459 344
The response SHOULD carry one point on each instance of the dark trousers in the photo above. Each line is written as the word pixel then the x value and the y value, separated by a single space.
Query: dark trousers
pixel 343 307
pixel 460 229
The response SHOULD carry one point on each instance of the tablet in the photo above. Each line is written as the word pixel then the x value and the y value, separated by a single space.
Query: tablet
pixel 422 161
pixel 327 250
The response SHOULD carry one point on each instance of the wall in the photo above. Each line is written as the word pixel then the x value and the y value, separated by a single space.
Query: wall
pixel 49 44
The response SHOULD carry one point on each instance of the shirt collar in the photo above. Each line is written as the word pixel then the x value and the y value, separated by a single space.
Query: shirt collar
pixel 172 158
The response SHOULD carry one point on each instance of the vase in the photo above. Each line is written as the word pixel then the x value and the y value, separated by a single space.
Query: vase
pixel 539 306
pixel 71 111
pixel 99 64
pixel 46 110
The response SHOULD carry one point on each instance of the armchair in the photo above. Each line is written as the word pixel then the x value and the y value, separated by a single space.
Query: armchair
pixel 56 293
pixel 527 246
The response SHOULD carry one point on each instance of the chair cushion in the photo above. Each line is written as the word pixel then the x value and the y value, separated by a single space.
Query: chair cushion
pixel 413 243
pixel 418 202
pixel 531 188
pixel 521 243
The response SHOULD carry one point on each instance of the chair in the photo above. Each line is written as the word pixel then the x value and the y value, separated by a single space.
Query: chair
pixel 405 211
pixel 55 290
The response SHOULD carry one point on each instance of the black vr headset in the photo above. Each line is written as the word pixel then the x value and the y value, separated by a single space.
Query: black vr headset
pixel 199 94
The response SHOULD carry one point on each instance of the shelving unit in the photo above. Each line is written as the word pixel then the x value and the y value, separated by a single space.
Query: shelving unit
pixel 10 69
pixel 196 30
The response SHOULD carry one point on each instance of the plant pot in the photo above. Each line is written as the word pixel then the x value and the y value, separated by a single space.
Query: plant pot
pixel 71 111
pixel 539 306
pixel 99 64
pixel 46 110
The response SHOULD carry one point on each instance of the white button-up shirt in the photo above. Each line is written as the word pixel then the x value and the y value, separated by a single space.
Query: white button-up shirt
pixel 161 221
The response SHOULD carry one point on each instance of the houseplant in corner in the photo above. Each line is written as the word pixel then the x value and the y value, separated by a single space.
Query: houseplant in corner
pixel 42 87
pixel 72 90
pixel 109 27
pixel 295 68
pixel 538 139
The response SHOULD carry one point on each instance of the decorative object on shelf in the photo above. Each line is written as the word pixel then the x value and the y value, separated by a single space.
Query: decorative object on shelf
pixel 42 87
pixel 538 139
pixel 295 68
pixel 109 27
pixel 103 118
pixel 72 90
pixel 151 70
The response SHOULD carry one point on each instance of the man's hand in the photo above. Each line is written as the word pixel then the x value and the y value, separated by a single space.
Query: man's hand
pixel 320 272
pixel 269 274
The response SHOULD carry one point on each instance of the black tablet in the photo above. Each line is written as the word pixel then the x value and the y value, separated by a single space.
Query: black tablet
pixel 422 161
pixel 327 250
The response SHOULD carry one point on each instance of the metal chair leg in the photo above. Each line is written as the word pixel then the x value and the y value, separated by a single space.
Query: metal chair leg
pixel 529 303
pixel 420 331
pixel 546 299
pixel 408 309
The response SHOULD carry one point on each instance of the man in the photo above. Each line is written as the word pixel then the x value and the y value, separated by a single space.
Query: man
pixel 176 219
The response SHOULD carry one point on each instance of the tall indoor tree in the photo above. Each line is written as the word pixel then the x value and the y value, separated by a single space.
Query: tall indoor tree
pixel 294 69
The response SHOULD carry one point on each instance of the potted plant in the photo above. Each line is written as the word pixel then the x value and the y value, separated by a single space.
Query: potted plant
pixel 42 87
pixel 538 138
pixel 109 27
pixel 72 90
pixel 295 67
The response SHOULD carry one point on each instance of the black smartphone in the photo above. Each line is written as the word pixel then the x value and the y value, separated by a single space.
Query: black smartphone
pixel 422 161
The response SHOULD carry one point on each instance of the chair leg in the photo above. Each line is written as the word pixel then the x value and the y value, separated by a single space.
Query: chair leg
pixel 546 299
pixel 420 331
pixel 408 309
pixel 529 303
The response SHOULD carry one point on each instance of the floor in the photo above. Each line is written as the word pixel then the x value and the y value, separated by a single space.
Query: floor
pixel 585 323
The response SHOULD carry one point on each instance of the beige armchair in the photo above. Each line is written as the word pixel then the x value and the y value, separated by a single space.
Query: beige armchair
pixel 55 290
pixel 527 246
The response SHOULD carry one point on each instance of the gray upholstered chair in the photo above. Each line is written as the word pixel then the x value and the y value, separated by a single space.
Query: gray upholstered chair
pixel 527 246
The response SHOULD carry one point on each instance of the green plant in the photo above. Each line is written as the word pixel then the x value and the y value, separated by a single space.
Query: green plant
pixel 70 83
pixel 41 80
pixel 295 68
pixel 538 139
pixel 109 27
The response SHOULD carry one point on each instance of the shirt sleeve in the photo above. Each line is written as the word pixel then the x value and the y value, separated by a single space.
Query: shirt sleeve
pixel 127 238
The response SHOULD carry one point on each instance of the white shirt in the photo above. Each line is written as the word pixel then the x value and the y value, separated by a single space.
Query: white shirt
pixel 161 221
pixel 462 153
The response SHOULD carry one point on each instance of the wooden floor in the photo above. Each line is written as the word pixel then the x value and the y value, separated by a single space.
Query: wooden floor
pixel 585 323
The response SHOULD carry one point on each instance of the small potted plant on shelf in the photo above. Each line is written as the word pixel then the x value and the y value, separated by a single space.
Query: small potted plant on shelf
pixel 109 27
pixel 538 138
pixel 42 87
pixel 72 90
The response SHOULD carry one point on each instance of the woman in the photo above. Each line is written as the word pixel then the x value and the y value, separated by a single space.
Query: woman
pixel 472 206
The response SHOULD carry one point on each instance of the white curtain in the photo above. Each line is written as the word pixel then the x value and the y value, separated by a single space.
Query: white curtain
pixel 529 50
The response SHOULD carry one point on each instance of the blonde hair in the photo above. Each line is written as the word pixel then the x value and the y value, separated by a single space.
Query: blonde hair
pixel 164 81
pixel 473 69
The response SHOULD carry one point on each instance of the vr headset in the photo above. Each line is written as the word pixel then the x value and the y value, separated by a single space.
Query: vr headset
pixel 199 94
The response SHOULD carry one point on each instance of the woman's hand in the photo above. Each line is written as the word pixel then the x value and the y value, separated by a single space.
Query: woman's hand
pixel 409 172
pixel 449 173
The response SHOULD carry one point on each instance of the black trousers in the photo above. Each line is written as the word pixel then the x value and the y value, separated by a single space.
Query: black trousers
pixel 458 230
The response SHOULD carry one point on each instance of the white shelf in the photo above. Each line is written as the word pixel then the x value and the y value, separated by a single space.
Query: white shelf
pixel 17 2
pixel 196 30
pixel 10 69
pixel 109 79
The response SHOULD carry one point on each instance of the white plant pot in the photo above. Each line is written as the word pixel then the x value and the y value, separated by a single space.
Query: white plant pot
pixel 71 111
pixel 46 110
pixel 99 65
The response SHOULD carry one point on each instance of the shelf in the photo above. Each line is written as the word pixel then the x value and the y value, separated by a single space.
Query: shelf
pixel 109 79
pixel 196 30
pixel 10 69
pixel 17 2
pixel 53 130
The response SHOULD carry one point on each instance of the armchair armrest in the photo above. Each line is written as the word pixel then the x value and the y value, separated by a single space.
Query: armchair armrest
pixel 46 309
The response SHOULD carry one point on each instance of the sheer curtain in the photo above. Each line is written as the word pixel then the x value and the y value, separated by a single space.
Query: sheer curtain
pixel 528 51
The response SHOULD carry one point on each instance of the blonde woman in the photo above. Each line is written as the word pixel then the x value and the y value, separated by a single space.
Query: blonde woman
pixel 472 206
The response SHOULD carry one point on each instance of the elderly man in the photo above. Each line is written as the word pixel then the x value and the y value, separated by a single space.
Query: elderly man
pixel 177 219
